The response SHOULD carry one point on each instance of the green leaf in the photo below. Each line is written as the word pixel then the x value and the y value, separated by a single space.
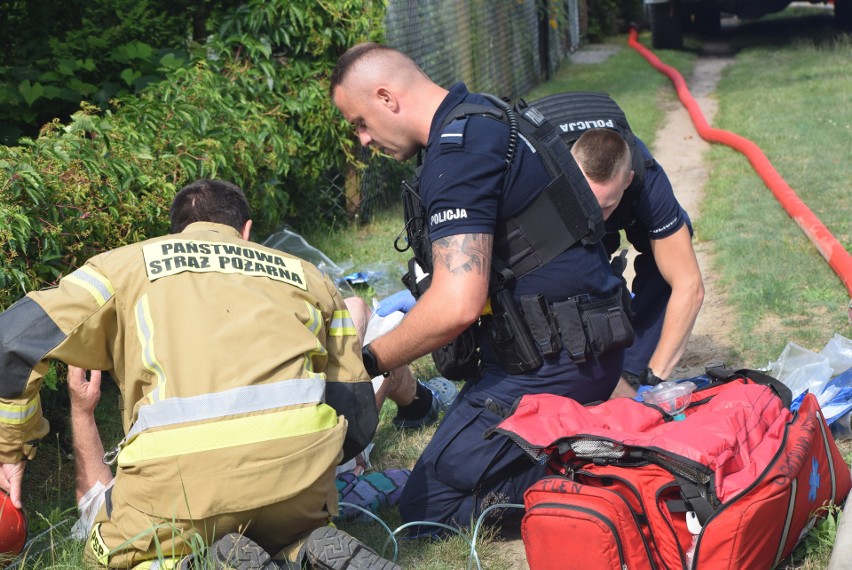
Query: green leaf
pixel 52 92
pixel 171 61
pixel 130 75
pixel 82 87
pixel 49 76
pixel 30 91
pixel 139 50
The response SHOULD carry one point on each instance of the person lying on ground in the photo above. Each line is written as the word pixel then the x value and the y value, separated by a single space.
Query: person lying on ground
pixel 418 403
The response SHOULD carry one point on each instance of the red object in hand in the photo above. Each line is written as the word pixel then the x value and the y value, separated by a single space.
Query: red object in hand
pixel 13 528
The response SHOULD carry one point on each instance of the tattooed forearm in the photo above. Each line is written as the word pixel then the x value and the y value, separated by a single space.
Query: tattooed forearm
pixel 464 253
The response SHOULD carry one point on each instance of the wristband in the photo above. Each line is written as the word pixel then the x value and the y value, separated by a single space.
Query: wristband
pixel 647 378
pixel 370 362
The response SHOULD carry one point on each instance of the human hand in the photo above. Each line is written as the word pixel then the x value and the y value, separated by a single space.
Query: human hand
pixel 11 477
pixel 400 301
pixel 85 394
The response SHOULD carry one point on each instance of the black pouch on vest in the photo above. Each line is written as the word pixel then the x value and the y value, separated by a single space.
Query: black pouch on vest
pixel 459 359
pixel 607 325
pixel 567 314
pixel 514 347
pixel 542 325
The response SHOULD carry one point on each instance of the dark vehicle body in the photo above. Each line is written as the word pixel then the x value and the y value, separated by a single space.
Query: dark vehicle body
pixel 670 18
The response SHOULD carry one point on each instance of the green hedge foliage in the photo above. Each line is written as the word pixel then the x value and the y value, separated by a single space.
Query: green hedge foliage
pixel 55 53
pixel 254 110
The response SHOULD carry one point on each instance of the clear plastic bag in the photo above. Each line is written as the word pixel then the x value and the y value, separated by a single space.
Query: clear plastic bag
pixel 671 397
pixel 383 278
pixel 290 242
pixel 838 351
pixel 801 370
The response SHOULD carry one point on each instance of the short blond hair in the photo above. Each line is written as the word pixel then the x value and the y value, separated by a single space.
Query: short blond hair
pixel 603 154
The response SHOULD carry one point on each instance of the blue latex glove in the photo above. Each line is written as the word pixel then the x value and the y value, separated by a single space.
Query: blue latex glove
pixel 399 301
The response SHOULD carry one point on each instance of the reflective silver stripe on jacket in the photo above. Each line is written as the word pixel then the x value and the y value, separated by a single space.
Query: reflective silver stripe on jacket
pixel 98 286
pixel 241 400
pixel 18 414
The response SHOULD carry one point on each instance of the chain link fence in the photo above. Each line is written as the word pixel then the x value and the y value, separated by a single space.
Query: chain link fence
pixel 504 47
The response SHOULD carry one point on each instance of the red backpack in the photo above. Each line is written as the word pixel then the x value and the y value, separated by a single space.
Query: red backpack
pixel 736 484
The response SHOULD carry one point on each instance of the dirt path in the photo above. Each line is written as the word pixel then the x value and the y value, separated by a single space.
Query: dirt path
pixel 680 151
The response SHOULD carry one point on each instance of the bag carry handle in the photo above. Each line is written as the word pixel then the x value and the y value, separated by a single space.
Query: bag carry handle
pixel 722 374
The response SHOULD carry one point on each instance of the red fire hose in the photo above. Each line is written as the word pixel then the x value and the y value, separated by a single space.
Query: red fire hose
pixel 838 258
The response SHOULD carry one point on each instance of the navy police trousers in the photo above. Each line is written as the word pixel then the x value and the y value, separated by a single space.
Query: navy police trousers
pixel 461 472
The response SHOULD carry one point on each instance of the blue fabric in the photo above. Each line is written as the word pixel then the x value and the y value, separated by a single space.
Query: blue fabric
pixel 841 403
pixel 460 473
pixel 650 298
pixel 372 491
pixel 463 189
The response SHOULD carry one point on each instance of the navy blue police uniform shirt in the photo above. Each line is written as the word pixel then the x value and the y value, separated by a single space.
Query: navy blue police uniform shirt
pixel 655 214
pixel 463 190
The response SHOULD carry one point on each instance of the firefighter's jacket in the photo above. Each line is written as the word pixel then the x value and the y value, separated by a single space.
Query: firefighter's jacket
pixel 233 360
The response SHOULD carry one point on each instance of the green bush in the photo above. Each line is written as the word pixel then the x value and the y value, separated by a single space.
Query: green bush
pixel 611 17
pixel 56 53
pixel 254 110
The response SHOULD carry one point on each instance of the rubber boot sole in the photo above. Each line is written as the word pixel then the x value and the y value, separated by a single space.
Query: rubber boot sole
pixel 329 548
pixel 237 552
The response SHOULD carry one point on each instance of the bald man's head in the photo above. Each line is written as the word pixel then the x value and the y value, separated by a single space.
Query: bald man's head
pixel 374 62
pixel 386 97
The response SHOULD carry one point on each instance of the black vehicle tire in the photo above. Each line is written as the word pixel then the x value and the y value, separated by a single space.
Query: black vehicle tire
pixel 707 20
pixel 843 14
pixel 666 26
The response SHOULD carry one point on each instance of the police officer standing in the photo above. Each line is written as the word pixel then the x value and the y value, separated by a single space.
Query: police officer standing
pixel 468 192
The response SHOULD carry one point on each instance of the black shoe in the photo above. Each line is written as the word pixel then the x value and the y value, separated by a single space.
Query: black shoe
pixel 237 552
pixel 330 548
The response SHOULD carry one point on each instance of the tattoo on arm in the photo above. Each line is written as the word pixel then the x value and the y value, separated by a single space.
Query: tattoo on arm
pixel 464 253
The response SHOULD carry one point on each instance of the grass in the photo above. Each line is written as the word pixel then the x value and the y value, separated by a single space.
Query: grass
pixel 793 103
pixel 788 92
pixel 628 79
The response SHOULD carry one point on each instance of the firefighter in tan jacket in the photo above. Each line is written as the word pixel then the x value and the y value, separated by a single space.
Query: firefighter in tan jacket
pixel 242 386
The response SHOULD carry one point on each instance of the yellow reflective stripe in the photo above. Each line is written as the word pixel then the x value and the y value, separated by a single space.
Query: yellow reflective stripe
pixel 228 433
pixel 145 330
pixel 314 319
pixel 314 325
pixel 96 284
pixel 165 564
pixel 342 324
pixel 17 414
pixel 98 546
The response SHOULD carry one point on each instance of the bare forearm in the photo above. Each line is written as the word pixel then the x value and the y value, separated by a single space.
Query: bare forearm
pixel 88 453
pixel 455 299
pixel 681 312
pixel 678 265
pixel 431 324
